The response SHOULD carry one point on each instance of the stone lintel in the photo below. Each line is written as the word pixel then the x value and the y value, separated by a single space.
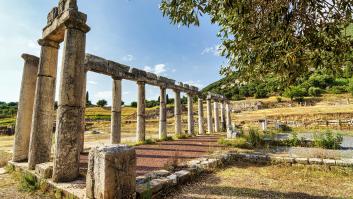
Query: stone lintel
pixel 30 58
pixel 116 70
pixel 49 43
pixel 71 18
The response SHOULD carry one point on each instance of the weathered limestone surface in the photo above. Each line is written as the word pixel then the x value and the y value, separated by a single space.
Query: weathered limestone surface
pixel 201 126
pixel 209 116
pixel 25 108
pixel 111 172
pixel 177 111
pixel 216 117
pixel 84 90
pixel 43 112
pixel 163 114
pixel 190 115
pixel 228 116
pixel 141 113
pixel 70 120
pixel 44 170
pixel 116 112
pixel 223 117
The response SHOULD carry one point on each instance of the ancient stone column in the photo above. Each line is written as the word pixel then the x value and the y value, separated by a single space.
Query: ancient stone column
pixel 116 112
pixel 177 112
pixel 223 117
pixel 190 115
pixel 209 116
pixel 201 127
pixel 216 117
pixel 25 108
pixel 228 116
pixel 43 112
pixel 70 120
pixel 82 136
pixel 141 125
pixel 163 114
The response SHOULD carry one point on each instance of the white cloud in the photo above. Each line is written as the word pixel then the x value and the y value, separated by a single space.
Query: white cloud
pixel 103 95
pixel 196 83
pixel 160 68
pixel 92 82
pixel 215 50
pixel 173 70
pixel 157 69
pixel 128 58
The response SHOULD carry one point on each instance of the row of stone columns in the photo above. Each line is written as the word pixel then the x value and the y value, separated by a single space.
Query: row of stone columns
pixel 214 125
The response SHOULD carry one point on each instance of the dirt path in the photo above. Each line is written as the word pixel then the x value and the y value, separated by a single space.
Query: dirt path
pixel 159 156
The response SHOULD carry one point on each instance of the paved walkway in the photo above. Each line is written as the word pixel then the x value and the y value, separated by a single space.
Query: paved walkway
pixel 158 156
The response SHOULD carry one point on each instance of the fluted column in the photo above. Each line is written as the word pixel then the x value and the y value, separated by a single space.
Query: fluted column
pixel 162 114
pixel 70 117
pixel 43 112
pixel 25 108
pixel 177 113
pixel 209 116
pixel 216 117
pixel 200 111
pixel 116 112
pixel 141 104
pixel 190 115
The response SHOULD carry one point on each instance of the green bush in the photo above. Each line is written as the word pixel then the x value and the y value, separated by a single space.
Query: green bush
pixel 102 103
pixel 314 91
pixel 254 138
pixel 28 183
pixel 133 104
pixel 296 93
pixel 261 92
pixel 350 86
pixel 338 89
pixel 328 140
pixel 239 142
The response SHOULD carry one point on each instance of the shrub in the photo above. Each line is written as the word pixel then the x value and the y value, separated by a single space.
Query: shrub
pixel 102 103
pixel 240 142
pixel 296 93
pixel 133 104
pixel 279 99
pixel 350 86
pixel 315 91
pixel 328 140
pixel 28 183
pixel 254 138
pixel 261 91
pixel 338 89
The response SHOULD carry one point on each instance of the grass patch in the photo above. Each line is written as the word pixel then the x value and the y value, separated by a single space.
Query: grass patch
pixel 8 122
pixel 4 158
pixel 183 136
pixel 240 142
pixel 28 183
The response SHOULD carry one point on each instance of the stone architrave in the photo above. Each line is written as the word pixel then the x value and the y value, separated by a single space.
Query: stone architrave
pixel 116 112
pixel 216 117
pixel 177 112
pixel 163 114
pixel 70 120
pixel 209 116
pixel 141 113
pixel 25 108
pixel 200 111
pixel 111 172
pixel 43 112
pixel 190 115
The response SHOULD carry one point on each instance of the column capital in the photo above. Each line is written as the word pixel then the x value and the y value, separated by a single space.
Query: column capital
pixel 117 78
pixel 30 58
pixel 141 82
pixel 78 25
pixel 49 43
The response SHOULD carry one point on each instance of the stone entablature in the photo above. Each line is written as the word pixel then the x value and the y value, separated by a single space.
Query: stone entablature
pixel 114 69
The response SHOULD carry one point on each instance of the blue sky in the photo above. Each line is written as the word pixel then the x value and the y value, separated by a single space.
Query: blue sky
pixel 132 32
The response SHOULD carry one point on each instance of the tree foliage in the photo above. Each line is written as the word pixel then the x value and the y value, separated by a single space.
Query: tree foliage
pixel 102 103
pixel 286 38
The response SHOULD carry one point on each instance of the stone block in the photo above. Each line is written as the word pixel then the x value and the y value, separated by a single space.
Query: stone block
pixel 183 176
pixel 329 162
pixel 151 76
pixel 344 162
pixel 173 178
pixel 315 161
pixel 157 174
pixel 111 172
pixel 44 170
pixel 302 160
pixel 288 160
pixel 138 73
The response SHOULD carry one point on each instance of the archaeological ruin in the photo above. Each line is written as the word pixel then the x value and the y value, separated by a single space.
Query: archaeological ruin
pixel 111 168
